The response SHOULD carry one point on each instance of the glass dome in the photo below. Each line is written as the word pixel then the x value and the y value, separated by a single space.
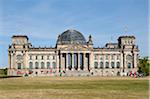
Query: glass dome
pixel 70 37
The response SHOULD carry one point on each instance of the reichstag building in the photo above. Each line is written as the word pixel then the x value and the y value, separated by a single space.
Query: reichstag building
pixel 73 55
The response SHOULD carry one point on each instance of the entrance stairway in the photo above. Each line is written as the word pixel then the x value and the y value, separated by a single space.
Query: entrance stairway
pixel 77 73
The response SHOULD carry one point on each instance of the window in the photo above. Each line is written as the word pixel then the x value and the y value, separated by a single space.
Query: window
pixel 47 57
pixel 101 57
pixel 118 57
pixel 112 57
pixel 19 65
pixel 53 57
pixel 107 64
pixel 96 65
pixel 106 57
pixel 19 57
pixel 129 58
pixel 42 65
pixel 30 65
pixel 118 64
pixel 54 65
pixel 101 65
pixel 42 57
pixel 36 65
pixel 36 57
pixel 30 57
pixel 48 65
pixel 95 56
pixel 129 65
pixel 112 65
pixel 125 42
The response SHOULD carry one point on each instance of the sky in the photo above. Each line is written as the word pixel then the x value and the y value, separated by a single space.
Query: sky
pixel 43 20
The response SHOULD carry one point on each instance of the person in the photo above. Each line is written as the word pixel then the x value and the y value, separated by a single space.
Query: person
pixel 130 74
pixel 135 74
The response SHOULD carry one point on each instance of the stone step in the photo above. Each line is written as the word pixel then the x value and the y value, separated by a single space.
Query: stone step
pixel 77 73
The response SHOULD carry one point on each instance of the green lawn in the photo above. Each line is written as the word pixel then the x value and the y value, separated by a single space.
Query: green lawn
pixel 74 88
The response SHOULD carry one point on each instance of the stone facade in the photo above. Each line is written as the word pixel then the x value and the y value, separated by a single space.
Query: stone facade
pixel 72 56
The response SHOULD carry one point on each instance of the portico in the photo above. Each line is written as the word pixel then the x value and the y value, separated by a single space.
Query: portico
pixel 74 61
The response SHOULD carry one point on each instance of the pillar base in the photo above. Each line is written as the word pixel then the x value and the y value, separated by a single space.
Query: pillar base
pixel 72 69
pixel 85 69
pixel 79 69
pixel 63 69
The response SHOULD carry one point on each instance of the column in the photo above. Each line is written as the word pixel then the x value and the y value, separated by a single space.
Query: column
pixel 9 60
pixel 78 61
pixel 63 61
pixel 135 60
pixel 67 61
pixel 57 60
pixel 72 61
pixel 124 62
pixel 89 61
pixel 14 61
pixel 11 64
pixel 84 60
pixel 98 60
pixel 121 61
pixel 61 66
pixel 24 60
pixel 104 61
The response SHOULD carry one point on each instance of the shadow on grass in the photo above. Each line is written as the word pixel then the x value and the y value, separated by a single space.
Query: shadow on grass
pixel 5 76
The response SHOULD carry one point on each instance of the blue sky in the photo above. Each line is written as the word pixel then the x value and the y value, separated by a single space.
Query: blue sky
pixel 43 20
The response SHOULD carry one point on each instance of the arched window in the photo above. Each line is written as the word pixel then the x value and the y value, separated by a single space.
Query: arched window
pixel 96 65
pixel 129 65
pixel 30 65
pixel 118 64
pixel 19 65
pixel 54 65
pixel 112 65
pixel 107 64
pixel 42 65
pixel 36 65
pixel 129 58
pixel 48 65
pixel 101 65
pixel 19 57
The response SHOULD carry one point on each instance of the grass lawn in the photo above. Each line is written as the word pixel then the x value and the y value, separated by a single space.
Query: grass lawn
pixel 74 88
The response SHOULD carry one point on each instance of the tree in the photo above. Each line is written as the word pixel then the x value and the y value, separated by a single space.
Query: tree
pixel 144 66
pixel 3 71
